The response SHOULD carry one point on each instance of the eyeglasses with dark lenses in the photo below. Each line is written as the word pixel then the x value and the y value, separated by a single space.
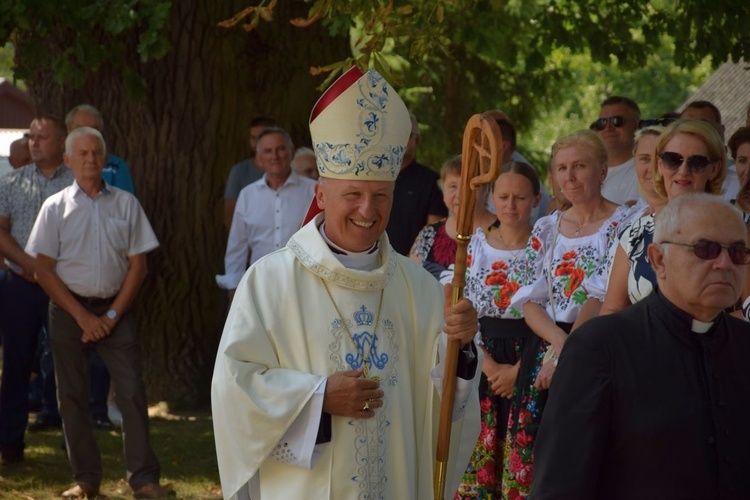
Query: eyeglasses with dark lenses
pixel 709 250
pixel 695 163
pixel 650 122
pixel 615 121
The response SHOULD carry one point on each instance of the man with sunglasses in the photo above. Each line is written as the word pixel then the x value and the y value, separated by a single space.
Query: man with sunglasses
pixel 654 399
pixel 616 125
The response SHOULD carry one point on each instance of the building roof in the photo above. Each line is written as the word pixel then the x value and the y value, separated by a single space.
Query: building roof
pixel 17 111
pixel 729 89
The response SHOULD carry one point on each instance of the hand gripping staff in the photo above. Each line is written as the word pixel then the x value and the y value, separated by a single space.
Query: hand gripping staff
pixel 481 157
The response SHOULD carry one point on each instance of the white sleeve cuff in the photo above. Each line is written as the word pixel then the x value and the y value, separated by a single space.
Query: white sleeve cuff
pixel 297 446
pixel 228 281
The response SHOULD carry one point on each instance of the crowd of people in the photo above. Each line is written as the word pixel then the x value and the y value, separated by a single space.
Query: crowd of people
pixel 585 305
pixel 74 240
pixel 540 267
pixel 589 257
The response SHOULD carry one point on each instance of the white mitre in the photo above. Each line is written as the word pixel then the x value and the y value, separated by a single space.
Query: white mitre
pixel 359 128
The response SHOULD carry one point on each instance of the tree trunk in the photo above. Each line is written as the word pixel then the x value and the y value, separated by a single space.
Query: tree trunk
pixel 180 141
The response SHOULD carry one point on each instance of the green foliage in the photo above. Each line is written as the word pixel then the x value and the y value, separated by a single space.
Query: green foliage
pixel 6 61
pixel 91 32
pixel 546 64
pixel 658 85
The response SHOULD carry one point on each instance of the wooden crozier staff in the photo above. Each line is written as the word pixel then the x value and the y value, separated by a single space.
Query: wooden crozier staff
pixel 482 154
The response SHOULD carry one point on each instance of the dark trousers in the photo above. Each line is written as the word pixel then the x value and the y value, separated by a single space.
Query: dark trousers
pixel 121 354
pixel 23 313
pixel 99 382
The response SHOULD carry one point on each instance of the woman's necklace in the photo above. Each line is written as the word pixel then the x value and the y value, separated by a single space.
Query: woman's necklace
pixel 514 254
pixel 360 350
pixel 578 226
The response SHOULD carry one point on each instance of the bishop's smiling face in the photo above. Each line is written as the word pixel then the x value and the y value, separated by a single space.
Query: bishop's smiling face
pixel 356 212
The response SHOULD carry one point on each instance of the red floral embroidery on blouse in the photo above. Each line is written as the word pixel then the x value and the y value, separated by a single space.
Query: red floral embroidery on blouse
pixel 569 255
pixel 535 243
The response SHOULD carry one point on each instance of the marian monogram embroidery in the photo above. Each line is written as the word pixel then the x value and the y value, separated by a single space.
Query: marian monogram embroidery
pixel 370 435
pixel 366 343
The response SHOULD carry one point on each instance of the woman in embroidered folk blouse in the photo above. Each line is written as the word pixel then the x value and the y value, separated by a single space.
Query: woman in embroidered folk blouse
pixel 632 278
pixel 435 245
pixel 566 249
pixel 497 267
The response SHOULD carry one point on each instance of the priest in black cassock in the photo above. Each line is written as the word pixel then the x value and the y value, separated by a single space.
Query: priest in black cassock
pixel 654 401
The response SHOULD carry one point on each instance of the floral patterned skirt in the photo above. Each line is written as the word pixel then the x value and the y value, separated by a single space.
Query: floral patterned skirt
pixel 504 340
pixel 525 416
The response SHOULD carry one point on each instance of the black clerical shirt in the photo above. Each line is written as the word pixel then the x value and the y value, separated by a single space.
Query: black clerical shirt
pixel 642 407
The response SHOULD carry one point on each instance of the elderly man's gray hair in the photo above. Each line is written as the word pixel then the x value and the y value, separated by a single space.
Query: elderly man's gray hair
pixel 281 132
pixel 303 151
pixel 84 131
pixel 668 221
pixel 83 108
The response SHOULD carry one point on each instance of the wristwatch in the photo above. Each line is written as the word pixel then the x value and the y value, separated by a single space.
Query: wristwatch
pixel 112 314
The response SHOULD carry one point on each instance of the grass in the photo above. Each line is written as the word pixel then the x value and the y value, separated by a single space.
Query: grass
pixel 184 445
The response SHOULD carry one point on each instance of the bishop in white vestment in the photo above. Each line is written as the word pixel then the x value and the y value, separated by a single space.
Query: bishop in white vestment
pixel 337 307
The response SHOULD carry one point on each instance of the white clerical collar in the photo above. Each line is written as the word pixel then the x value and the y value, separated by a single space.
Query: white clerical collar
pixel 361 261
pixel 701 326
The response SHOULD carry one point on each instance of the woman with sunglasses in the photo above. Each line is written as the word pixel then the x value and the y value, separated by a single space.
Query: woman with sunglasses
pixel 688 157
pixel 435 245
pixel 566 250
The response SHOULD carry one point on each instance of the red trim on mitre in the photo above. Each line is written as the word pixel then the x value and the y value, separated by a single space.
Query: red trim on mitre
pixel 312 211
pixel 336 89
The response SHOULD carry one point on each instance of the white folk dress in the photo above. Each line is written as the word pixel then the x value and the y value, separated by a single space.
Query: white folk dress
pixel 568 270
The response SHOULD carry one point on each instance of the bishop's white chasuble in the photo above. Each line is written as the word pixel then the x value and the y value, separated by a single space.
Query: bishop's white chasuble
pixel 283 337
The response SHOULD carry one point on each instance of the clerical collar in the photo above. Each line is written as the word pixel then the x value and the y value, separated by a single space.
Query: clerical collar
pixel 361 261
pixel 701 326
pixel 696 326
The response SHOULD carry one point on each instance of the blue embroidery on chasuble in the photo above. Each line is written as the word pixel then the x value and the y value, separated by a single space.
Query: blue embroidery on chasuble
pixel 366 343
pixel 370 435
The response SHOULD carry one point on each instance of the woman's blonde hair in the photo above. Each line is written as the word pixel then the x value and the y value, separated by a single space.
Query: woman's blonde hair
pixel 709 136
pixel 655 130
pixel 587 138
pixel 452 166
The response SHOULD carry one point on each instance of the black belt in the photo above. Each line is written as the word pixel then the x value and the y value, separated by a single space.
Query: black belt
pixel 93 301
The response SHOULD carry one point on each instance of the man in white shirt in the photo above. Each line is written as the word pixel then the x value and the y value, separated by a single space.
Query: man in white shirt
pixel 269 211
pixel 245 172
pixel 90 242
pixel 616 125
